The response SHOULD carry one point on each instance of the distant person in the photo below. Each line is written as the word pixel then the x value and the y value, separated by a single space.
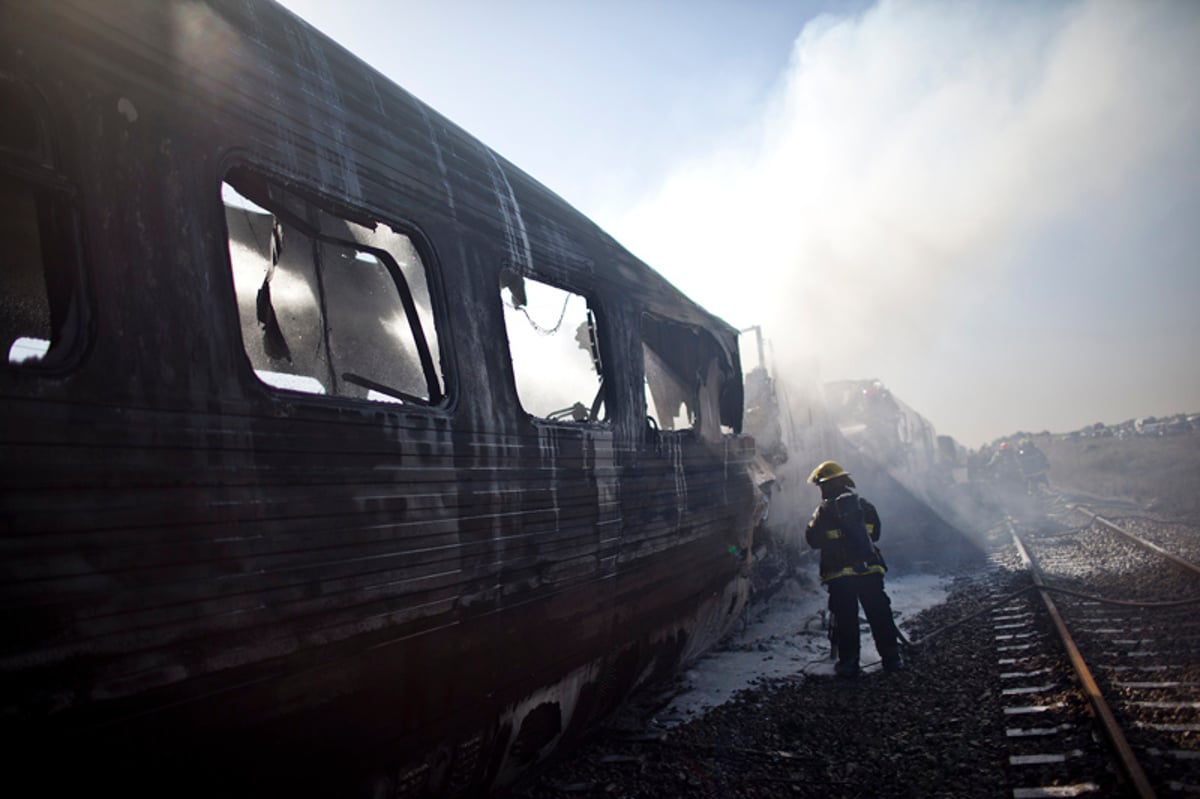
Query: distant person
pixel 1006 469
pixel 845 528
pixel 1034 465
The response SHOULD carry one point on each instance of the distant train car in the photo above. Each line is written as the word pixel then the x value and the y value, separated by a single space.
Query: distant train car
pixel 891 432
pixel 338 452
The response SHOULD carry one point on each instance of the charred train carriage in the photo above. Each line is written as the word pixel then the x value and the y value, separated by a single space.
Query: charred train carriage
pixel 333 444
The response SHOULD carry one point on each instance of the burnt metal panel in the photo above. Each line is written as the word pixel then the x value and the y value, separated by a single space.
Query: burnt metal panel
pixel 198 568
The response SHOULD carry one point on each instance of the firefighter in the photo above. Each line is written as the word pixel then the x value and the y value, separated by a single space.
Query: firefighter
pixel 1034 465
pixel 1005 469
pixel 851 574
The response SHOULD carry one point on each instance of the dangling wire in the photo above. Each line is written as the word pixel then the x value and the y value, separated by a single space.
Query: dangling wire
pixel 541 330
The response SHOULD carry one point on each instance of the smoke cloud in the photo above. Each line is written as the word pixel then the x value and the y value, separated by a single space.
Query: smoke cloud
pixel 929 186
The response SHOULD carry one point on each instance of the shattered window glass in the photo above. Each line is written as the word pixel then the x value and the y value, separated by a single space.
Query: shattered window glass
pixel 683 374
pixel 555 350
pixel 329 305
pixel 40 323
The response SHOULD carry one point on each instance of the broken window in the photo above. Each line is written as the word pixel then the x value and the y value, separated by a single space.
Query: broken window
pixel 39 272
pixel 684 369
pixel 329 304
pixel 555 351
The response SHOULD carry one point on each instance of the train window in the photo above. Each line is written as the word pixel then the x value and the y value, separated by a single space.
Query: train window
pixel 683 368
pixel 40 281
pixel 22 125
pixel 24 304
pixel 555 350
pixel 329 305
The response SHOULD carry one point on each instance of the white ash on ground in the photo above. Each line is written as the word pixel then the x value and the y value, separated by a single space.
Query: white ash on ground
pixel 785 728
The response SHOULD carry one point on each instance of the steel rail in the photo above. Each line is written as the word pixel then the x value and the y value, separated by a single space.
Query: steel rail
pixel 1108 722
pixel 1178 561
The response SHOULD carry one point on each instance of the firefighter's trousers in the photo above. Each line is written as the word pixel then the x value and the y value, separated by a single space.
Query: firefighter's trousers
pixel 845 595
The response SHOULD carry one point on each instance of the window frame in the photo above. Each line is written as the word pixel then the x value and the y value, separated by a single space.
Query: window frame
pixel 441 386
pixel 605 377
pixel 55 196
pixel 701 425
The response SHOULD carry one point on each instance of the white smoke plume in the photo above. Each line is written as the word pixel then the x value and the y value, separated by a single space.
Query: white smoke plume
pixel 920 168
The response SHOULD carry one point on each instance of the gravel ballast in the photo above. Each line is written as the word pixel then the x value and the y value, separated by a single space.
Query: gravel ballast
pixel 936 730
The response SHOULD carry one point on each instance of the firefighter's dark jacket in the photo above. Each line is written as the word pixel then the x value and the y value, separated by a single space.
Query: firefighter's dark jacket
pixel 823 534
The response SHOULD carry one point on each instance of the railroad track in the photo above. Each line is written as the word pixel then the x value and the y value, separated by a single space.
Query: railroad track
pixel 1100 667
pixel 992 705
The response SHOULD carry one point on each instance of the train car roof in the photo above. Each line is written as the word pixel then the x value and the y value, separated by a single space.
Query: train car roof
pixel 374 143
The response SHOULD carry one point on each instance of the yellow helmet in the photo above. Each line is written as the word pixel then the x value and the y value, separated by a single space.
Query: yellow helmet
pixel 827 471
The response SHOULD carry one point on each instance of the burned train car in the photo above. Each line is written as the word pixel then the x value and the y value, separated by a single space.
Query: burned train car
pixel 901 440
pixel 904 444
pixel 337 450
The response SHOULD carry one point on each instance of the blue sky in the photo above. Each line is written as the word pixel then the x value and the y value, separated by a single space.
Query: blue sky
pixel 992 207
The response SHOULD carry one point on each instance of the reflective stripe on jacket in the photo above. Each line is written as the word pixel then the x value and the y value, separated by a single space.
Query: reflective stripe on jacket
pixel 824 534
